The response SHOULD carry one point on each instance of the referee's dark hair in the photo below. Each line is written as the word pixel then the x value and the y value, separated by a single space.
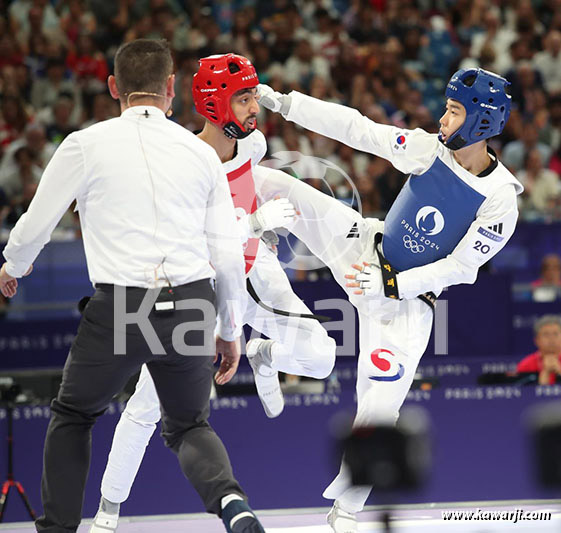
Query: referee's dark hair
pixel 143 65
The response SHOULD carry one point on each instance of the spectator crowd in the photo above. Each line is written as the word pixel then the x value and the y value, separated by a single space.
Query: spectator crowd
pixel 390 59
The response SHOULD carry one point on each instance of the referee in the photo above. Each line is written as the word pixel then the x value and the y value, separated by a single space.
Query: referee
pixel 158 226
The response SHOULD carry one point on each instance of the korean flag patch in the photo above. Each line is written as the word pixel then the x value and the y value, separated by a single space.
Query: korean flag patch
pixel 400 141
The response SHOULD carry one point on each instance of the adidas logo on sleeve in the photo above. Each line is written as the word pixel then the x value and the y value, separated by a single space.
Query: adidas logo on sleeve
pixel 497 228
pixel 353 233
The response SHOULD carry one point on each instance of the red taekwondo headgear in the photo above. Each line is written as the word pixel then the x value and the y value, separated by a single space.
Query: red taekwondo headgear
pixel 218 78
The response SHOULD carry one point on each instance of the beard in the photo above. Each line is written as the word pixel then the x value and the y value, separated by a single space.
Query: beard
pixel 250 123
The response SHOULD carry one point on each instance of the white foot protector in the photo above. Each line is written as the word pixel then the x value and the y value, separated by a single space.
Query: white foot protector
pixel 104 523
pixel 341 521
pixel 266 378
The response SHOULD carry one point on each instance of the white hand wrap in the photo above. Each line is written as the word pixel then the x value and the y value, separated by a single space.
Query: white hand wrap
pixel 272 214
pixel 273 100
pixel 370 279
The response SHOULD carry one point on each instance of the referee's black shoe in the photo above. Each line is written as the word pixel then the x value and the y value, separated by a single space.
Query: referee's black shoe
pixel 239 518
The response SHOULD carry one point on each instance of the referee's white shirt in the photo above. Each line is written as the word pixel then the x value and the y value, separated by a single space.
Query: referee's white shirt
pixel 148 192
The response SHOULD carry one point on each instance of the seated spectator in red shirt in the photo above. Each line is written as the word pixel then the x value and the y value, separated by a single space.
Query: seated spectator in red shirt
pixel 546 361
pixel 88 63
pixel 10 53
pixel 13 119
pixel 548 287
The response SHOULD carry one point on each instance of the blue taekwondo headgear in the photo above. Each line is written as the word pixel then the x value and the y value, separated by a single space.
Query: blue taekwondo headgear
pixel 487 105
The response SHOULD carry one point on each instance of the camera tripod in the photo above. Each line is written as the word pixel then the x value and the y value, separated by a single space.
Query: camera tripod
pixel 10 482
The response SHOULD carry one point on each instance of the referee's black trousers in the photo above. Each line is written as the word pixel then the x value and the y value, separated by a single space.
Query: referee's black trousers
pixel 93 375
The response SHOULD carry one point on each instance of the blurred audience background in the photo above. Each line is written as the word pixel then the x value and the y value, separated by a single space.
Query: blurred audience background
pixel 390 59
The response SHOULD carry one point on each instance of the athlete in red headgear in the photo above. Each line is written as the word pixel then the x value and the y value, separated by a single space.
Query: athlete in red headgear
pixel 218 79
pixel 224 91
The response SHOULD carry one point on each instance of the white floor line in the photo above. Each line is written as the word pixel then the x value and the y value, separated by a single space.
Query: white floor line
pixel 416 522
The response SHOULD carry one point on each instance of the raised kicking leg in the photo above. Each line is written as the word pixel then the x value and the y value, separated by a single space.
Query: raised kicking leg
pixel 335 233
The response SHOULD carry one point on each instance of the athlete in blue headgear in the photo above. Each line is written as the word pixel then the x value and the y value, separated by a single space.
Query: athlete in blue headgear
pixel 484 107
pixel 457 210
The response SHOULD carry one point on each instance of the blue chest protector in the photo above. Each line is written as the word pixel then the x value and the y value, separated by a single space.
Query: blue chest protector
pixel 428 219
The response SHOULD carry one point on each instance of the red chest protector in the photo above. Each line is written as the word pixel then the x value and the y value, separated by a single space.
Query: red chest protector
pixel 242 188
